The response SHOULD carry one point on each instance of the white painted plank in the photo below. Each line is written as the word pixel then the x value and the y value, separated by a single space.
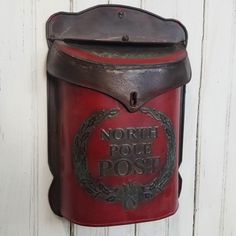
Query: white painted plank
pixel 81 230
pixel 17 122
pixel 166 8
pixel 124 230
pixel 49 224
pixel 127 230
pixel 144 228
pixel 156 227
pixel 89 231
pixel 188 12
pixel 79 5
pixel 215 174
pixel 228 226
pixel 78 230
pixel 24 173
pixel 133 3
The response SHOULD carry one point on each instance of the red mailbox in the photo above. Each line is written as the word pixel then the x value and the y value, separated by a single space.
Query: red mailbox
pixel 116 79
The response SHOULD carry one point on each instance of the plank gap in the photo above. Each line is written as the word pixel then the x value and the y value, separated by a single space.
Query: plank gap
pixel 72 229
pixel 71 5
pixel 227 127
pixel 135 230
pixel 197 154
pixel 34 202
pixel 141 4
pixel 72 226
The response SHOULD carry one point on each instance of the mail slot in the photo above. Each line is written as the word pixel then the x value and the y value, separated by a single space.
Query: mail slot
pixel 116 88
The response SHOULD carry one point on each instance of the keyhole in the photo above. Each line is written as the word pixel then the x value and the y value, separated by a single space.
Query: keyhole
pixel 133 99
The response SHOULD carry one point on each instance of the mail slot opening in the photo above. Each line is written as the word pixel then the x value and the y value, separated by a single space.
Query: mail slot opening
pixel 123 54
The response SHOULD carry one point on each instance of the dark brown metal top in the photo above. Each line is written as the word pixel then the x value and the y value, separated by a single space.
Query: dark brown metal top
pixel 127 53
pixel 115 23
pixel 120 81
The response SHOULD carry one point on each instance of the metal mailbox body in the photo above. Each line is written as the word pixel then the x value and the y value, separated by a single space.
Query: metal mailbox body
pixel 116 79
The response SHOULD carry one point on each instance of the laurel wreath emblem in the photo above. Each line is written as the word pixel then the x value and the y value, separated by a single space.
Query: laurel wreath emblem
pixel 130 194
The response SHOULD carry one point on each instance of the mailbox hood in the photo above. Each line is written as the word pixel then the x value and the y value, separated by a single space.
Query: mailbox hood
pixel 104 48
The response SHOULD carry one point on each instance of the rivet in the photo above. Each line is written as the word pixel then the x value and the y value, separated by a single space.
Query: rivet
pixel 125 38
pixel 121 14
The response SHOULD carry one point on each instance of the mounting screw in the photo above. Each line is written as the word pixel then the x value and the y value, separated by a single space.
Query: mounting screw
pixel 125 38
pixel 121 14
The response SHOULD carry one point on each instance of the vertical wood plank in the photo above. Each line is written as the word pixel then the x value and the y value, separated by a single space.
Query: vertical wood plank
pixel 49 224
pixel 133 3
pixel 228 216
pixel 126 230
pixel 23 125
pixel 188 12
pixel 214 203
pixel 156 227
pixel 17 147
pixel 79 5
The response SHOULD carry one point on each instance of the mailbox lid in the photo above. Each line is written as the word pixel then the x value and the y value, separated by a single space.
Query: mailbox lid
pixel 140 71
pixel 111 46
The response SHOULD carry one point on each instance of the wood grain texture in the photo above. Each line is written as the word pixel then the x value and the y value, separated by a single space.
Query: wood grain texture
pixel 126 230
pixel 77 230
pixel 215 173
pixel 49 224
pixel 133 3
pixel 16 122
pixel 188 12
pixel 228 216
pixel 79 5
pixel 24 173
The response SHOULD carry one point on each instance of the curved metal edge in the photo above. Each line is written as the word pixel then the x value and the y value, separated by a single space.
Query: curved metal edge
pixel 54 194
pixel 54 197
pixel 181 133
pixel 122 193
pixel 129 79
pixel 52 17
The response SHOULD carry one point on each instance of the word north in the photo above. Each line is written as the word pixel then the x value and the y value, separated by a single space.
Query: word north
pixel 122 134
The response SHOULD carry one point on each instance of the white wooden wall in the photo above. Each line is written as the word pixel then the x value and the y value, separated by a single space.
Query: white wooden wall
pixel 208 199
